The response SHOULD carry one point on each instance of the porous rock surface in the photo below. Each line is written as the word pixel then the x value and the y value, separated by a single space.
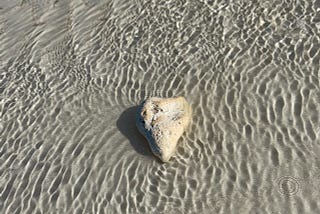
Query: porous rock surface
pixel 162 121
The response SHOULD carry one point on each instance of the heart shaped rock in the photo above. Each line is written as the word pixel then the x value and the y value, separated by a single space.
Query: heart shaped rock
pixel 162 121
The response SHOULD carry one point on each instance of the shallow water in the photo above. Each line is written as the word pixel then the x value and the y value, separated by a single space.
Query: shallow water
pixel 72 72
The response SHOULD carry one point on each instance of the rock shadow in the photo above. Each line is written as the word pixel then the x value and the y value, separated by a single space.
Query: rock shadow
pixel 127 126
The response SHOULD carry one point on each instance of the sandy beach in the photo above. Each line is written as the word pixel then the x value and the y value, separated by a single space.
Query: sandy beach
pixel 72 73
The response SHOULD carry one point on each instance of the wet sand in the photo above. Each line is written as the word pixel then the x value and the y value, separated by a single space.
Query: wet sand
pixel 72 73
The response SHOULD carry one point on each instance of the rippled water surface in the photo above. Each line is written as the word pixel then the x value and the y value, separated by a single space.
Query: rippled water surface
pixel 72 73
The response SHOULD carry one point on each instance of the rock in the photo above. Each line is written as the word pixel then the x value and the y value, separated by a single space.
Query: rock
pixel 162 121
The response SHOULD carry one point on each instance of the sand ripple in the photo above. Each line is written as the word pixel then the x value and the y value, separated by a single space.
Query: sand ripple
pixel 72 72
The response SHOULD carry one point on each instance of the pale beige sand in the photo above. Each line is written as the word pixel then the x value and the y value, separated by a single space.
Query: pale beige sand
pixel 72 72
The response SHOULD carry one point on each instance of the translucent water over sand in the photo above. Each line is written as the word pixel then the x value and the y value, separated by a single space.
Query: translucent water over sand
pixel 72 72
